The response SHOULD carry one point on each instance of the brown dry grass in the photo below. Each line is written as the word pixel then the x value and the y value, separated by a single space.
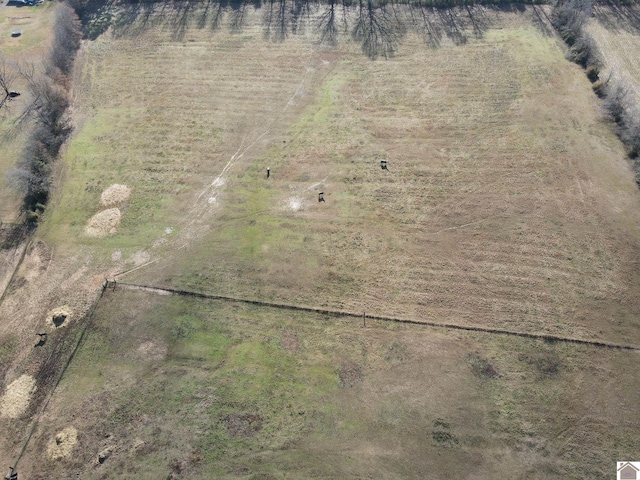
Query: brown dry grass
pixel 115 194
pixel 62 445
pixel 507 203
pixel 616 30
pixel 17 396
pixel 392 401
pixel 103 223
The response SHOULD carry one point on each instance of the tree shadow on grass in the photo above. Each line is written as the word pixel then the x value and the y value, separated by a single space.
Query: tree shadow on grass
pixel 616 16
pixel 379 26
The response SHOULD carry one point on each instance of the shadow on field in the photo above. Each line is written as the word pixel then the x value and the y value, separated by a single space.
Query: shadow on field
pixel 615 15
pixel 378 26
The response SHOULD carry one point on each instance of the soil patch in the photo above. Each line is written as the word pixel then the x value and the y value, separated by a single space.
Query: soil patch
pixel 62 444
pixel 16 399
pixel 152 351
pixel 295 204
pixel 59 317
pixel 245 425
pixel 289 341
pixel 103 223
pixel 139 258
pixel 115 195
pixel 350 374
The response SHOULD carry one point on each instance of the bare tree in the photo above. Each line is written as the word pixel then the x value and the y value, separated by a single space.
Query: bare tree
pixel 67 35
pixel 8 75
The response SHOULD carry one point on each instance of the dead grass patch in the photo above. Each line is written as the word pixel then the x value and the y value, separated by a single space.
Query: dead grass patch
pixel 62 444
pixel 350 374
pixel 115 195
pixel 103 223
pixel 289 341
pixel 59 317
pixel 242 425
pixel 17 397
pixel 154 351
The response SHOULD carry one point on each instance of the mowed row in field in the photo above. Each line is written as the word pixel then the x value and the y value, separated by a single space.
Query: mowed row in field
pixel 508 201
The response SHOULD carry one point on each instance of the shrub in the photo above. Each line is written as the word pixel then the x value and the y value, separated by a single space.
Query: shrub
pixel 599 87
pixel 583 52
pixel 569 18
pixel 67 35
pixel 593 73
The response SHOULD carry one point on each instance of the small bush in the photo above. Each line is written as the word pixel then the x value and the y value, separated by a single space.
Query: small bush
pixel 545 361
pixel 548 363
pixel 593 73
pixel 444 438
pixel 480 367
pixel 32 217
pixel 598 87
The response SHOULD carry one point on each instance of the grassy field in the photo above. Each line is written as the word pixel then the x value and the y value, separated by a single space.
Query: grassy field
pixel 187 388
pixel 508 202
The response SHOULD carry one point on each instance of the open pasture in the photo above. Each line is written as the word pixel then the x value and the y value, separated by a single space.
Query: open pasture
pixel 176 387
pixel 507 201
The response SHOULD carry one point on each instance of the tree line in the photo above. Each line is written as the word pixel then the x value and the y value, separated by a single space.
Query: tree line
pixel 46 110
pixel 569 17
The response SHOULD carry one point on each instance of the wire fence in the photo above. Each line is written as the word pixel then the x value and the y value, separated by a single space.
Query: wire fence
pixel 383 318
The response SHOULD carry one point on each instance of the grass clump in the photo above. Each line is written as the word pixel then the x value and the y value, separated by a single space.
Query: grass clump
pixel 481 367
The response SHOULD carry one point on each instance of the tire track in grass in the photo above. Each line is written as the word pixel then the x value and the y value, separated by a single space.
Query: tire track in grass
pixel 199 208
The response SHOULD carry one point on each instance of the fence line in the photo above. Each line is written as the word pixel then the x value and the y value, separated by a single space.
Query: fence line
pixel 24 234
pixel 15 270
pixel 383 318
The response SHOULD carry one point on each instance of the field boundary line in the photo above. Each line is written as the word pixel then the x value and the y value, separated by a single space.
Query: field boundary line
pixel 383 318
pixel 27 243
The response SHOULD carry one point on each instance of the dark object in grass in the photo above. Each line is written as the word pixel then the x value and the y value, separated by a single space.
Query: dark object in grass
pixel 350 374
pixel 245 425
pixel 58 319
pixel 441 437
pixel 481 367
pixel 43 339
